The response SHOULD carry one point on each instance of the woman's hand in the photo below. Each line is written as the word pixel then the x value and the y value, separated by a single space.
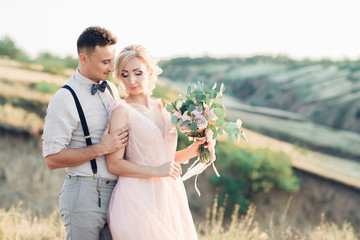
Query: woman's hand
pixel 169 169
pixel 193 149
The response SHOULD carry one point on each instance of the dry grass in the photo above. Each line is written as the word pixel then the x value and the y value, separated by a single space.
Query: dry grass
pixel 20 119
pixel 246 228
pixel 17 223
pixel 11 70
pixel 25 177
pixel 19 90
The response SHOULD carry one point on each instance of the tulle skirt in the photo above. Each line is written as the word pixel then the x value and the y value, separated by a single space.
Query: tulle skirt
pixel 151 208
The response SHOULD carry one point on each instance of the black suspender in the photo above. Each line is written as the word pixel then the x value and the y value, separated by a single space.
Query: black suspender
pixel 84 126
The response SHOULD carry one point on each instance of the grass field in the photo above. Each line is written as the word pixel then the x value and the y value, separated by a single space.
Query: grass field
pixel 17 223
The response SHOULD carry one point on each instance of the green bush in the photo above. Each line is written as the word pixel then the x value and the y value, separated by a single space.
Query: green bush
pixel 245 171
pixel 45 87
pixel 52 63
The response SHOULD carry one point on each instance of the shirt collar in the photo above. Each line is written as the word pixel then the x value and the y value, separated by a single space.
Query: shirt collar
pixel 83 80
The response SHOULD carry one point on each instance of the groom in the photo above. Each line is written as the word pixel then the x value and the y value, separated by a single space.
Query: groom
pixel 86 192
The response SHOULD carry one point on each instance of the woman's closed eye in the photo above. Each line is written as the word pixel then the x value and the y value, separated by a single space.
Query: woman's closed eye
pixel 124 75
pixel 138 73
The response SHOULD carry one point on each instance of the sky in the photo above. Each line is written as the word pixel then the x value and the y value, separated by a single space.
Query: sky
pixel 297 28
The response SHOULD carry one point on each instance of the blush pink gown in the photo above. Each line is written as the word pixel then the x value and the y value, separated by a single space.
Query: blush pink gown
pixel 150 208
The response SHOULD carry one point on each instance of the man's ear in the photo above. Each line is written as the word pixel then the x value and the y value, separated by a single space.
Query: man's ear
pixel 83 58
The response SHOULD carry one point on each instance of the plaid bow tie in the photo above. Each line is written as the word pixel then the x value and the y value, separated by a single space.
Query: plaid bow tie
pixel 97 86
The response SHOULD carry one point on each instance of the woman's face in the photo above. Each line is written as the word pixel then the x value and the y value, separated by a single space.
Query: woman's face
pixel 135 77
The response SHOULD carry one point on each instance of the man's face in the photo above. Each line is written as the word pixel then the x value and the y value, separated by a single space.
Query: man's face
pixel 100 63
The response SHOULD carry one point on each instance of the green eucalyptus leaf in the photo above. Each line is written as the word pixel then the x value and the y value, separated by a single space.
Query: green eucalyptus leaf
pixel 183 108
pixel 218 112
pixel 193 127
pixel 237 136
pixel 174 105
pixel 212 94
pixel 203 97
pixel 231 138
pixel 189 98
pixel 230 127
pixel 207 100
pixel 191 107
pixel 220 122
pixel 215 135
pixel 169 108
pixel 174 119
pixel 189 102
pixel 186 122
pixel 197 93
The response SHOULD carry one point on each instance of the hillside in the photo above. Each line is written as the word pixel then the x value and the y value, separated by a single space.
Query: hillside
pixel 24 96
pixel 323 92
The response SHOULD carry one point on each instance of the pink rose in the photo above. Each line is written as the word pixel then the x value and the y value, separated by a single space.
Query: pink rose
pixel 211 115
pixel 184 129
pixel 196 112
pixel 201 121
pixel 178 114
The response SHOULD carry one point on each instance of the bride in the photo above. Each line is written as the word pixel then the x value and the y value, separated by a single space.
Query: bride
pixel 149 200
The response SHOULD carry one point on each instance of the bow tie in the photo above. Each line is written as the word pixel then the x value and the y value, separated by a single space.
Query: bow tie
pixel 97 86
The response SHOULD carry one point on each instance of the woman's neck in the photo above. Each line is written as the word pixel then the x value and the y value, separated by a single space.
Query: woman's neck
pixel 142 99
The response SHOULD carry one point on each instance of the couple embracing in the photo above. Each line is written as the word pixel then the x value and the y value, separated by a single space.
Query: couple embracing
pixel 123 171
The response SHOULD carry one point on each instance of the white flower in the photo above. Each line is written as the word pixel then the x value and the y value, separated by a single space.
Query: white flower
pixel 211 115
pixel 201 121
pixel 185 117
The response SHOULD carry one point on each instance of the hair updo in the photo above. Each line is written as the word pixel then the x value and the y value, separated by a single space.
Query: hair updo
pixel 142 53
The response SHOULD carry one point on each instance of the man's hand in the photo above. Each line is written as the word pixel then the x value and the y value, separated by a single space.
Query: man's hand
pixel 111 142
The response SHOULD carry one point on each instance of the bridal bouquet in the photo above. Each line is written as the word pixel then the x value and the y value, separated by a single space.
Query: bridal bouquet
pixel 200 115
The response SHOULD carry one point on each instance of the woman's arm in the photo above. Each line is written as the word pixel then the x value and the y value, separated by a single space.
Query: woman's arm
pixel 189 152
pixel 117 165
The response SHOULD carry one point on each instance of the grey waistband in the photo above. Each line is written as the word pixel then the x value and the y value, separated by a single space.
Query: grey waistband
pixel 90 178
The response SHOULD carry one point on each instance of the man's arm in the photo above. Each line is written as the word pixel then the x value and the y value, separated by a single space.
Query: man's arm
pixel 72 157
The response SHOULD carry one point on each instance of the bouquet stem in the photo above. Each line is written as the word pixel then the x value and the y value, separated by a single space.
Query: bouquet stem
pixel 205 155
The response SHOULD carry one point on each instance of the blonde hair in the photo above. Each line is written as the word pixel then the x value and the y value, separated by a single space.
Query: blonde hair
pixel 142 53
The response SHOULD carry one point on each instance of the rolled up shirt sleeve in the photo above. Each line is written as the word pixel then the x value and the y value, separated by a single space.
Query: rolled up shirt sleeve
pixel 60 122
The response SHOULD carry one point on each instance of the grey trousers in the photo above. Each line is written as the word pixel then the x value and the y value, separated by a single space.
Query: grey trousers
pixel 79 207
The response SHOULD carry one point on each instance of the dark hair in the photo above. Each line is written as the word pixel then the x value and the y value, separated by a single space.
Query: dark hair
pixel 92 37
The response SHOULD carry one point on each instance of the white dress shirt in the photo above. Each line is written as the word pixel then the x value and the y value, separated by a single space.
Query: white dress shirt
pixel 63 127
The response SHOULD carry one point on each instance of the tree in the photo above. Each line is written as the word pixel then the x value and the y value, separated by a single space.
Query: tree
pixel 8 48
